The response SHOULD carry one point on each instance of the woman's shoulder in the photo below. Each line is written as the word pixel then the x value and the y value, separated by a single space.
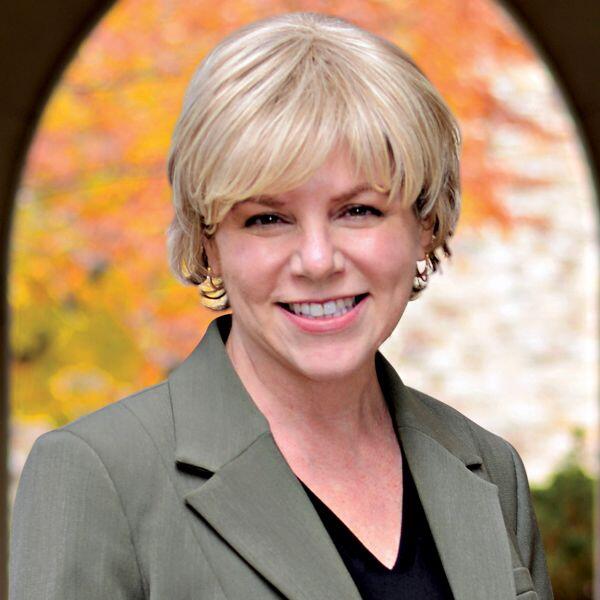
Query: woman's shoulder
pixel 419 411
pixel 92 479
pixel 491 446
pixel 141 407
pixel 128 428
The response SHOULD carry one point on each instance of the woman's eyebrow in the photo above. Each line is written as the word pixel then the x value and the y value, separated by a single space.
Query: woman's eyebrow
pixel 267 201
pixel 272 202
pixel 355 191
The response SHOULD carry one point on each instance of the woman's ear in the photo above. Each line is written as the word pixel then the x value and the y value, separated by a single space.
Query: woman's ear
pixel 426 236
pixel 212 254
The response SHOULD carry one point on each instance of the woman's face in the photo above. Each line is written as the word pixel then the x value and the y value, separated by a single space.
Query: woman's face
pixel 319 276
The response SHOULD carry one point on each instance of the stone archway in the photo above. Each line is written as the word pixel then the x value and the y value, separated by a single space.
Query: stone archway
pixel 37 40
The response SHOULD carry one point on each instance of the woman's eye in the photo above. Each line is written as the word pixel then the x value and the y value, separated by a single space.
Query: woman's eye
pixel 361 210
pixel 263 220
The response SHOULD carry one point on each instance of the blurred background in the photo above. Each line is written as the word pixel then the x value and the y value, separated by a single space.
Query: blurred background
pixel 506 334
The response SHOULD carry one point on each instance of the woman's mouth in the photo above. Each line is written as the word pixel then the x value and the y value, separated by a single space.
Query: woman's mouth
pixel 323 310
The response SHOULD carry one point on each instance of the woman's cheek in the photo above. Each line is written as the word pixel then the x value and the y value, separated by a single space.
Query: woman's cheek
pixel 389 255
pixel 252 271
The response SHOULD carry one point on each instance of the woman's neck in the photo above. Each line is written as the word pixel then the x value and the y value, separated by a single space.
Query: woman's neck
pixel 307 412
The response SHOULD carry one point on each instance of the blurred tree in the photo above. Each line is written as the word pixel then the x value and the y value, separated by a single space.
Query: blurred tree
pixel 564 509
pixel 95 312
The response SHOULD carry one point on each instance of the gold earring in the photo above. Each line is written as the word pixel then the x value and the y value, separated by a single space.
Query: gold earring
pixel 421 276
pixel 212 292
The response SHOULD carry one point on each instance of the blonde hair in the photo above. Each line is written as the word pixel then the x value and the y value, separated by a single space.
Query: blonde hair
pixel 268 105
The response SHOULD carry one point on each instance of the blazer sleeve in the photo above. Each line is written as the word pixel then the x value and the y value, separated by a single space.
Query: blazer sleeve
pixel 528 533
pixel 70 538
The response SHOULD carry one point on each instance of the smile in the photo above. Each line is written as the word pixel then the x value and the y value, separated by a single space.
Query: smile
pixel 323 310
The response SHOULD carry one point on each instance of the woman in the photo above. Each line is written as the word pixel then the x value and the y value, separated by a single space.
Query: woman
pixel 315 179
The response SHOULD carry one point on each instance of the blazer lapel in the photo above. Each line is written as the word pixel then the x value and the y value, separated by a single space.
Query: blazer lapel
pixel 462 509
pixel 256 503
pixel 464 515
pixel 251 498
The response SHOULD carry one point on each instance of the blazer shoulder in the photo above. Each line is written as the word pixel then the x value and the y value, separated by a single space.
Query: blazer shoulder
pixel 486 442
pixel 143 419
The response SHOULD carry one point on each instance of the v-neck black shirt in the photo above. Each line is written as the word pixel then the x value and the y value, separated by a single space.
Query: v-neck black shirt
pixel 418 572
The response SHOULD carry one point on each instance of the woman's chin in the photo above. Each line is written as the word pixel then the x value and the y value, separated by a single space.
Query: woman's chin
pixel 334 366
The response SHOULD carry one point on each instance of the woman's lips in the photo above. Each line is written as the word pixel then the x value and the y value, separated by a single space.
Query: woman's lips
pixel 326 323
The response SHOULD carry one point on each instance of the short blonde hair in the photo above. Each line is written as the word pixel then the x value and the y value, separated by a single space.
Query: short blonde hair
pixel 268 105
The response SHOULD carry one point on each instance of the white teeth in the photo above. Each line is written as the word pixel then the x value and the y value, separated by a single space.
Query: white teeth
pixel 329 307
pixel 316 310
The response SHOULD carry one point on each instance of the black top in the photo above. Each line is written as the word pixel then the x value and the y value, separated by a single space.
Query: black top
pixel 418 572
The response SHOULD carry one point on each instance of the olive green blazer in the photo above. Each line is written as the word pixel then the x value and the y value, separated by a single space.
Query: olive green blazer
pixel 180 492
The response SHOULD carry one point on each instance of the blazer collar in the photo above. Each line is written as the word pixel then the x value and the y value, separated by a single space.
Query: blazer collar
pixel 215 418
pixel 254 501
pixel 411 413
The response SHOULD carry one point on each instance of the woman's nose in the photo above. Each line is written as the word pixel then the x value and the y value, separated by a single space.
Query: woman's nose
pixel 317 257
